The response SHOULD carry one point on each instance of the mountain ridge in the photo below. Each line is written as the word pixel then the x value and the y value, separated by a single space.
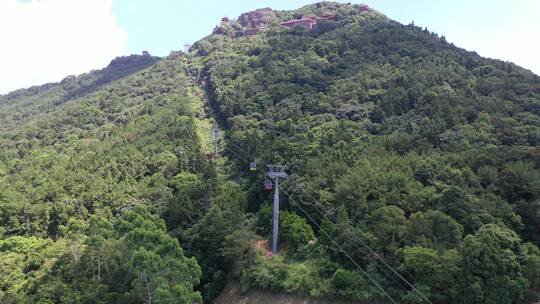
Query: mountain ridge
pixel 72 87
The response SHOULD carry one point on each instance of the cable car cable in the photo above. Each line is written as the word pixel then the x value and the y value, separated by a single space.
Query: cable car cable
pixel 237 154
pixel 360 240
pixel 342 229
pixel 383 270
pixel 337 221
pixel 372 252
pixel 341 248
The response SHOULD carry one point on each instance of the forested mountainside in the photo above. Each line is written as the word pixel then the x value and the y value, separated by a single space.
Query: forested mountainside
pixel 402 150
pixel 21 105
pixel 87 183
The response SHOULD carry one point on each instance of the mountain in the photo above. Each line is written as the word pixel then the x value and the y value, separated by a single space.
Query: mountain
pixel 75 174
pixel 413 170
pixel 22 104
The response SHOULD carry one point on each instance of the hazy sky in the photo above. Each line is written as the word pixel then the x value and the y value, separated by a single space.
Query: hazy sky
pixel 46 40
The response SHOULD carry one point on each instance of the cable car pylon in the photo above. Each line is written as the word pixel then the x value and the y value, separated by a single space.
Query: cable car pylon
pixel 275 172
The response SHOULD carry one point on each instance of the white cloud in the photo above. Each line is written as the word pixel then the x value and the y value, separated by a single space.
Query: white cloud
pixel 45 40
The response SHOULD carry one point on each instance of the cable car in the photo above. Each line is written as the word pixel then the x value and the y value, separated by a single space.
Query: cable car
pixel 267 185
pixel 210 156
pixel 253 166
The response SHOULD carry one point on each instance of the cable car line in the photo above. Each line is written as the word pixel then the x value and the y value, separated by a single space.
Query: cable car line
pixel 245 153
pixel 344 228
pixel 358 238
pixel 342 250
pixel 324 212
pixel 251 160
pixel 237 154
pixel 268 187
pixel 361 241
pixel 382 269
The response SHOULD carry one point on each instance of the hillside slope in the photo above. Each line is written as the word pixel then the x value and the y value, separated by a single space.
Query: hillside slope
pixel 394 140
pixel 430 153
pixel 21 105
pixel 87 181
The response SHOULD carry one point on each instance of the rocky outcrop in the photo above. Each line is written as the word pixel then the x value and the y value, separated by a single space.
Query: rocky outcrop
pixel 257 18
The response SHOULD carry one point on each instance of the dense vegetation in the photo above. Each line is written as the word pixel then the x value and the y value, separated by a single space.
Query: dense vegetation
pixel 86 186
pixel 428 152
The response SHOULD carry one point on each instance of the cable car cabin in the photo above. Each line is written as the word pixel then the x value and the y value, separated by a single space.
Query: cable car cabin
pixel 267 185
pixel 253 166
pixel 210 156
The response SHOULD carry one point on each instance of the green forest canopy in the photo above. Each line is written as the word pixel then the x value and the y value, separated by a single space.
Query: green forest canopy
pixel 426 151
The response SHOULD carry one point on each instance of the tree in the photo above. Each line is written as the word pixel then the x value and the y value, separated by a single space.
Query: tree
pixel 492 267
pixel 457 203
pixel 75 237
pixel 531 271
pixel 238 250
pixel 519 182
pixel 295 231
pixel 434 229
pixel 162 274
pixel 352 285
pixel 99 244
pixel 147 266
pixel 432 273
pixel 389 227
pixel 530 212
pixel 187 202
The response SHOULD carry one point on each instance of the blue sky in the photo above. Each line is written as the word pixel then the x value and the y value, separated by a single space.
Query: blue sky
pixel 46 40
pixel 493 28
